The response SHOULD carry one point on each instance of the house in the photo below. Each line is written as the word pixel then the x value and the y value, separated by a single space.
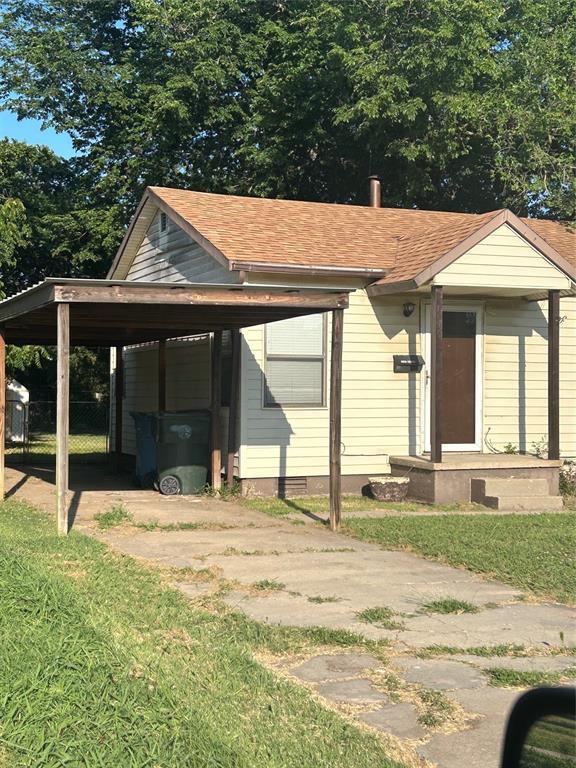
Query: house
pixel 451 372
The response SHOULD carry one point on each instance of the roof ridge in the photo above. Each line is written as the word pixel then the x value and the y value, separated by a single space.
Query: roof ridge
pixel 350 206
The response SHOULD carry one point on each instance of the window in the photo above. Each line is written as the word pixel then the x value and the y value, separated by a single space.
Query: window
pixel 295 362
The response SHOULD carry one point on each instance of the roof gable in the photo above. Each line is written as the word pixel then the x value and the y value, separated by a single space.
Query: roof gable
pixel 503 259
pixel 420 260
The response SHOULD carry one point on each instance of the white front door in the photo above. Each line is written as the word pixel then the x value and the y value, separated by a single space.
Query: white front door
pixel 462 376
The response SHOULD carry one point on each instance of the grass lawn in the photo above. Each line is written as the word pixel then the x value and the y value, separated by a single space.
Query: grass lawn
pixel 320 505
pixel 532 552
pixel 104 665
pixel 83 447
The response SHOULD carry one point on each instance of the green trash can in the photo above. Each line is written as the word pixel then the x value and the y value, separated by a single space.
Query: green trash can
pixel 183 451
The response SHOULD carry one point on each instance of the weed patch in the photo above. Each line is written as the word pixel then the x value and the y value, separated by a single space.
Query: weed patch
pixel 513 678
pixel 381 617
pixel 449 605
pixel 320 599
pixel 110 518
pixel 269 584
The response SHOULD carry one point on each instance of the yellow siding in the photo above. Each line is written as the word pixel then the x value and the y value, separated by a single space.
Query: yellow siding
pixel 187 380
pixel 503 259
pixel 380 409
pixel 516 374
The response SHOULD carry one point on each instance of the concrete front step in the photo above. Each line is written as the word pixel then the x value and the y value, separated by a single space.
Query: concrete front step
pixel 508 486
pixel 523 503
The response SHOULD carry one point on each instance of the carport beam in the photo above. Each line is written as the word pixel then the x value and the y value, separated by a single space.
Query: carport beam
pixel 2 412
pixel 216 386
pixel 62 415
pixel 336 419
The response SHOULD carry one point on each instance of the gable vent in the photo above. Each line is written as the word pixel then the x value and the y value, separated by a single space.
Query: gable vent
pixel 292 486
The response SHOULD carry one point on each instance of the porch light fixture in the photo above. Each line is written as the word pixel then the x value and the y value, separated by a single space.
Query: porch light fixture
pixel 408 308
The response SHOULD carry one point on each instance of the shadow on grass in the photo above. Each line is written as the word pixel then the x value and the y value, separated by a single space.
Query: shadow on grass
pixel 306 512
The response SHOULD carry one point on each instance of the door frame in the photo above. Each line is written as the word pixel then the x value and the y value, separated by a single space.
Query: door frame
pixel 462 306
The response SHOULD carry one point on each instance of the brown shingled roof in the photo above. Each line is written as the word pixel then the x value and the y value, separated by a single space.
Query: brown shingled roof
pixel 249 230
pixel 392 244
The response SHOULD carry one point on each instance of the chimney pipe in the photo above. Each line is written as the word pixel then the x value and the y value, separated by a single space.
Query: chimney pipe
pixel 375 192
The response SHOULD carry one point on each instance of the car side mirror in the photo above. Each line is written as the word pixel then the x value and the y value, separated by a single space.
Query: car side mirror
pixel 541 730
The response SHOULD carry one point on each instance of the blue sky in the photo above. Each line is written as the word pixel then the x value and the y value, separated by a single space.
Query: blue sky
pixel 31 132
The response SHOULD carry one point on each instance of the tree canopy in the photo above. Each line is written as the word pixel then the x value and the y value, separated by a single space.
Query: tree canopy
pixel 463 105
pixel 458 104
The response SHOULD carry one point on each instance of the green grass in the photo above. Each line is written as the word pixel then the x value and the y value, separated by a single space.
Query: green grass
pixel 43 445
pixel 380 616
pixel 532 552
pixel 105 666
pixel 449 605
pixel 110 518
pixel 500 677
pixel 555 735
pixel 320 505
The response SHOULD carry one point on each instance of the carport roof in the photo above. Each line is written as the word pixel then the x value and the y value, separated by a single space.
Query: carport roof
pixel 117 312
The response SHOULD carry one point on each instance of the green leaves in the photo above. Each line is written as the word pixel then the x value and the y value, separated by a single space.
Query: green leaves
pixel 458 104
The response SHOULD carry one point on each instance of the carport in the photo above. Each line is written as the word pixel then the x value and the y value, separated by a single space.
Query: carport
pixel 115 313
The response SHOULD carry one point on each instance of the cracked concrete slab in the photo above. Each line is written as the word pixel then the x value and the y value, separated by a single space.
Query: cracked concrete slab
pixel 358 691
pixel 398 719
pixel 527 624
pixel 337 667
pixel 521 664
pixel 288 610
pixel 266 544
pixel 440 674
pixel 366 578
pixel 477 746
pixel 488 701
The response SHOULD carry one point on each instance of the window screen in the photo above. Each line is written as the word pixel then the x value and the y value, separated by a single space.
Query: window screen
pixel 295 362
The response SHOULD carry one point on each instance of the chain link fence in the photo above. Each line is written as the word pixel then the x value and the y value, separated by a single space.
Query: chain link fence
pixel 34 440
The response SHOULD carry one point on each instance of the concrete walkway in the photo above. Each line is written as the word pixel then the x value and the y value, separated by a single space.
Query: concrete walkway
pixel 318 578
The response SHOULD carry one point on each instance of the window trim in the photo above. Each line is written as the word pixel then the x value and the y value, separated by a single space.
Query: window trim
pixel 322 358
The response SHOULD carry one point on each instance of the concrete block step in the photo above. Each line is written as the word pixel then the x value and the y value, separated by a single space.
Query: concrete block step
pixel 507 486
pixel 524 503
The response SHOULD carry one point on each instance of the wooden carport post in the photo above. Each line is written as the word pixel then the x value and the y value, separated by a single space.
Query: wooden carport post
pixel 216 397
pixel 118 407
pixel 233 407
pixel 436 374
pixel 62 415
pixel 336 419
pixel 2 413
pixel 162 375
pixel 554 374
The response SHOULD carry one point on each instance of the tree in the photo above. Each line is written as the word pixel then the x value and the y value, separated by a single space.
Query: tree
pixel 13 232
pixel 458 104
pixel 64 229
pixel 49 227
